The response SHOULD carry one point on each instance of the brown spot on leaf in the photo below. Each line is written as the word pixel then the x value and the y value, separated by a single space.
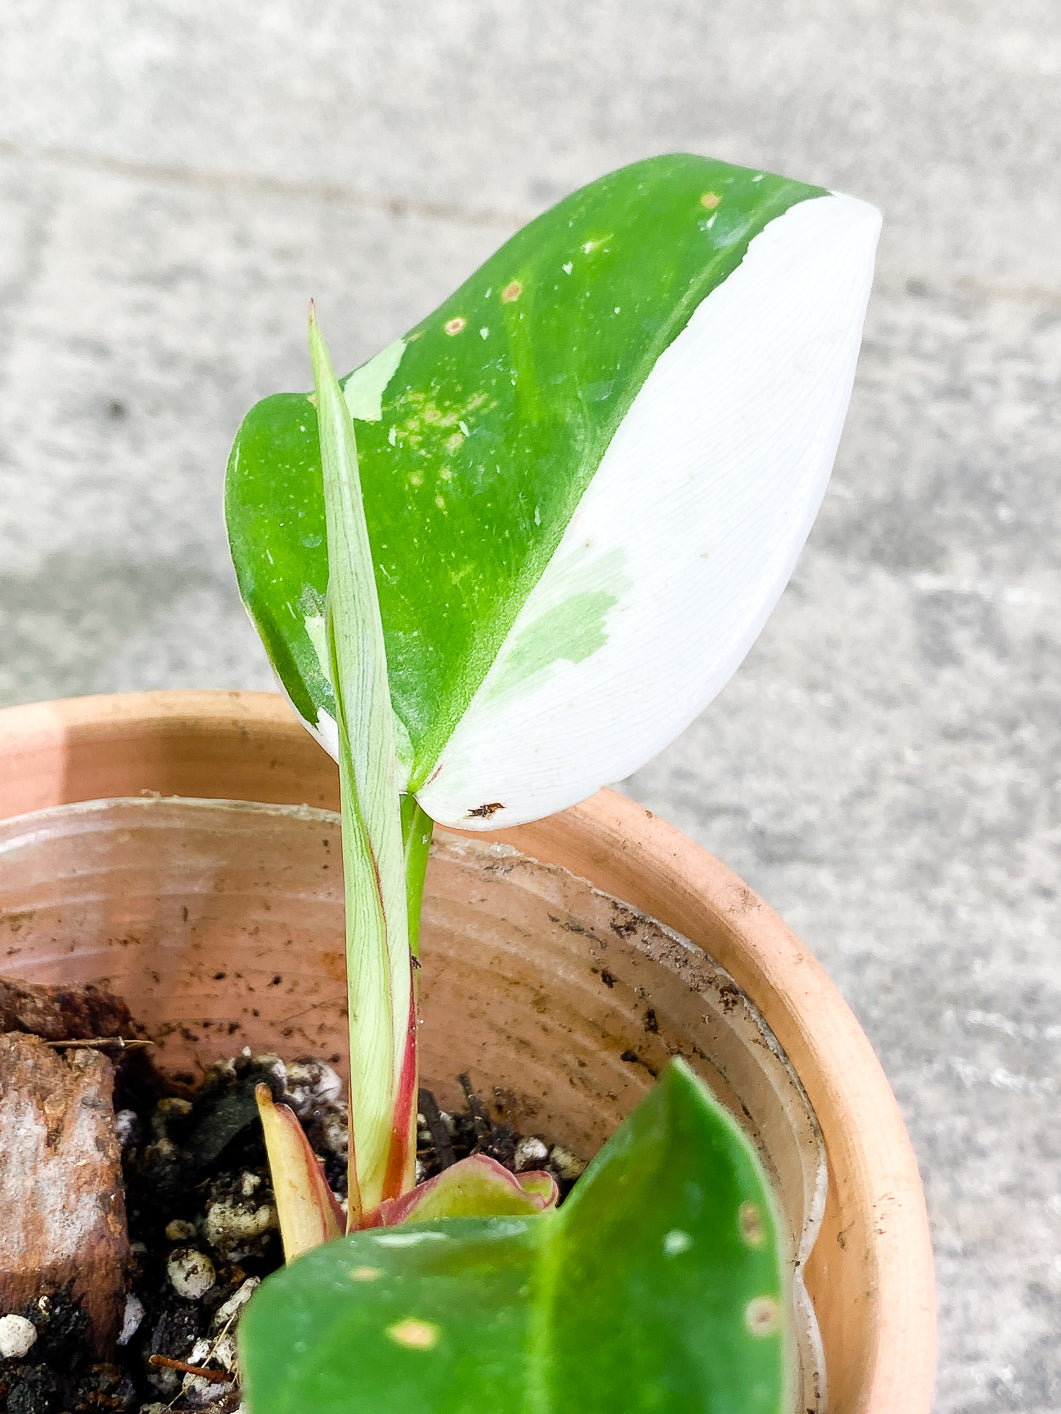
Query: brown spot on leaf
pixel 750 1220
pixel 414 1334
pixel 761 1316
pixel 512 291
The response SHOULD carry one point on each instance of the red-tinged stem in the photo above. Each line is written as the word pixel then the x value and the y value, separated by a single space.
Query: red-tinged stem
pixel 401 1163
pixel 400 1175
pixel 399 1167
pixel 354 1206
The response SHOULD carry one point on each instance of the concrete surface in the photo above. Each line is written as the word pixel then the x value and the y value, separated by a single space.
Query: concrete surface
pixel 176 180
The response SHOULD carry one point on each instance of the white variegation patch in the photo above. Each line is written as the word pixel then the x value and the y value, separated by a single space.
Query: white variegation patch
pixel 327 733
pixel 685 537
pixel 324 731
pixel 366 385
pixel 317 633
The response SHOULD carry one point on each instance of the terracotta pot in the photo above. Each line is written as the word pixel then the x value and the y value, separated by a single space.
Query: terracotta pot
pixel 870 1274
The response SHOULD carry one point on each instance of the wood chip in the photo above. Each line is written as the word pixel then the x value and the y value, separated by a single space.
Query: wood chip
pixel 62 1210
pixel 63 1013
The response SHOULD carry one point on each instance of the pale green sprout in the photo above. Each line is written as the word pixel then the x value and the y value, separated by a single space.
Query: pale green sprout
pixel 381 1002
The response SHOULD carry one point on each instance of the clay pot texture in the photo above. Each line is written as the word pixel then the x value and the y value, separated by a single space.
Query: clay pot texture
pixel 870 1273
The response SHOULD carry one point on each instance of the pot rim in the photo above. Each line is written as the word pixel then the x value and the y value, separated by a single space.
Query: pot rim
pixel 174 741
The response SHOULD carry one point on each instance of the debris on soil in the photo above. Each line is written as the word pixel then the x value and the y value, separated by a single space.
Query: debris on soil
pixel 203 1231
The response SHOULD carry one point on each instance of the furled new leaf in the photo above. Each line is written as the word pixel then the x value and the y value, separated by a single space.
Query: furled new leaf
pixel 306 1208
pixel 382 1007
pixel 658 1286
pixel 586 479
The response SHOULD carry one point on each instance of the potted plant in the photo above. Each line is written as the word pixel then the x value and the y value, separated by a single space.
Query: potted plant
pixel 448 598
pixel 870 1275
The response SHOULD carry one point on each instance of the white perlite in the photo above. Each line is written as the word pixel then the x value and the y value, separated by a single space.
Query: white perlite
pixel 309 1085
pixel 231 1221
pixel 531 1152
pixel 17 1337
pixel 566 1165
pixel 133 1315
pixel 228 1310
pixel 191 1273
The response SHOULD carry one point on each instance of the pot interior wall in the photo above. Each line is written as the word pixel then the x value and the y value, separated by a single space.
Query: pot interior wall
pixel 221 924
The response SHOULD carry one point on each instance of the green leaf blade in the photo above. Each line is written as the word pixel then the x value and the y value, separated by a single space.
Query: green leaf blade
pixel 674 1211
pixel 274 510
pixel 659 1286
pixel 424 1319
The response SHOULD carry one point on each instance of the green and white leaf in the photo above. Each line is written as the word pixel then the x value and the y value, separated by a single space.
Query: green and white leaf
pixel 659 1285
pixel 587 477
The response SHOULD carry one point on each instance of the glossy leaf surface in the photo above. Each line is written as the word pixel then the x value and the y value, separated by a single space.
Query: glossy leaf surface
pixel 658 1286
pixel 608 444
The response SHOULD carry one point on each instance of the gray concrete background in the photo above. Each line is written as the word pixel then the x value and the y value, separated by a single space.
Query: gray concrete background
pixel 176 179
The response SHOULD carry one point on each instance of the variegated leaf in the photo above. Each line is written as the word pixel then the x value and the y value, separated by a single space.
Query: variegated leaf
pixel 587 477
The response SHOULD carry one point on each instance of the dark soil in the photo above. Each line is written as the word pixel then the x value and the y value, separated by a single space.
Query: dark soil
pixel 203 1230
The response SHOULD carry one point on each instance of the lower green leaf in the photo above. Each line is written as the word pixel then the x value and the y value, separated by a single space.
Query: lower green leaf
pixel 658 1286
